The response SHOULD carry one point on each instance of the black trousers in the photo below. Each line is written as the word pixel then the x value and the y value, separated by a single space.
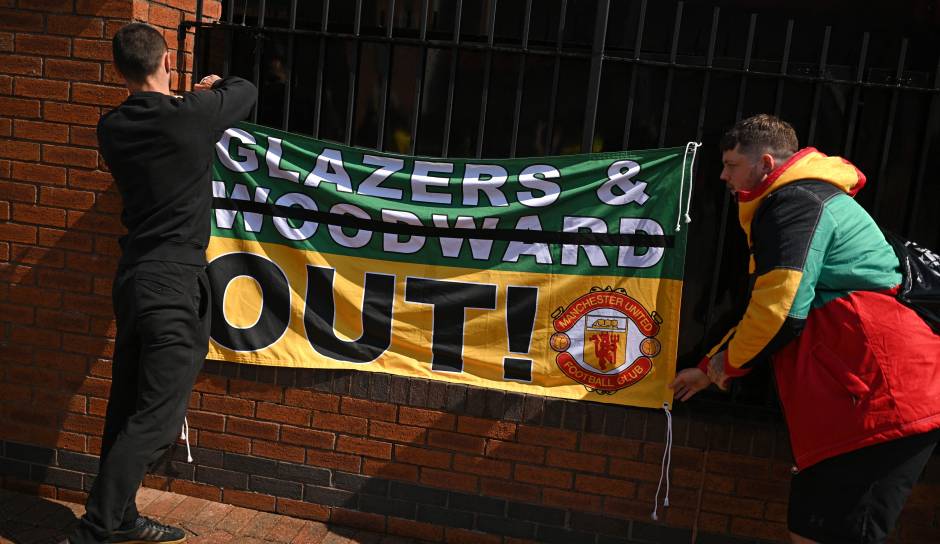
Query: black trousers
pixel 162 311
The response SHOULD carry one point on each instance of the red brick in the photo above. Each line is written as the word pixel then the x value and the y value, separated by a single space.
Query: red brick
pixel 635 470
pixel 6 41
pixel 507 489
pixel 245 499
pixel 544 476
pixel 340 423
pixel 61 239
pixel 759 529
pixel 83 424
pixel 466 536
pixel 423 457
pixel 579 462
pixel 68 113
pixel 22 192
pixel 689 458
pixel 208 383
pixel 307 437
pixel 587 483
pixel 30 254
pixel 94 222
pixel 73 70
pixel 66 198
pixel 65 280
pixel 120 9
pixel 39 215
pixel 282 414
pixel 206 420
pixel 311 399
pixel 70 25
pixel 6 125
pixel 61 321
pixel 254 390
pixel 415 529
pixel 42 45
pixel 503 430
pixel 303 510
pixel 91 49
pixel 71 156
pixel 763 489
pixel 164 16
pixel 364 446
pixel 225 442
pixel 338 461
pixel 274 450
pixel 426 418
pixel 89 304
pixel 482 466
pixel 392 471
pixel 733 506
pixel 21 64
pixel 608 445
pixel 456 442
pixel 738 465
pixel 398 433
pixel 627 508
pixel 95 264
pixel 252 428
pixel 95 181
pixel 14 19
pixel 227 405
pixel 33 336
pixel 14 149
pixel 449 480
pixel 360 520
pixel 13 273
pixel 37 130
pixel 47 5
pixel 568 499
pixel 104 95
pixel 514 452
pixel 112 204
pixel 19 107
pixel 368 409
pixel 89 345
pixel 543 436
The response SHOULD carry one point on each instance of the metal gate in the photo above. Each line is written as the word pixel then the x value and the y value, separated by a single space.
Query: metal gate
pixel 506 78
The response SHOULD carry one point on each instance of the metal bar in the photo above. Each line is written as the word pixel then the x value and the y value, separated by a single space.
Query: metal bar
pixel 386 75
pixel 889 130
pixel 321 54
pixel 725 205
pixel 856 96
pixel 784 64
pixel 230 16
pixel 631 93
pixel 259 50
pixel 198 11
pixel 594 81
pixel 709 59
pixel 353 74
pixel 487 69
pixel 927 141
pixel 817 87
pixel 553 99
pixel 419 84
pixel 290 66
pixel 520 81
pixel 670 75
pixel 448 116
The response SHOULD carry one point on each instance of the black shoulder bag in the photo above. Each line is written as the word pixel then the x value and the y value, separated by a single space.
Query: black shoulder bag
pixel 920 285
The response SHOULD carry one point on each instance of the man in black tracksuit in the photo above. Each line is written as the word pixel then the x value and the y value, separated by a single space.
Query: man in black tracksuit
pixel 159 148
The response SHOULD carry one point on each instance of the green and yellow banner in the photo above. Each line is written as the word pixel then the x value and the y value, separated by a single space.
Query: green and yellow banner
pixel 557 276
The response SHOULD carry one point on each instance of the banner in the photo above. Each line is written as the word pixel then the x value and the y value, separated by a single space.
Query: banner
pixel 556 276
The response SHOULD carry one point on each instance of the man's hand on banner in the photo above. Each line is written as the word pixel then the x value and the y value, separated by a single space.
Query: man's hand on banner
pixel 688 382
pixel 716 370
pixel 205 83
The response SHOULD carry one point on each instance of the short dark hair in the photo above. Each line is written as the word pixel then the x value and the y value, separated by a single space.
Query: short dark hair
pixel 762 133
pixel 138 50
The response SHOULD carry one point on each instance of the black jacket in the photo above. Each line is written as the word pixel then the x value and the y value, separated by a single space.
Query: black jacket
pixel 160 150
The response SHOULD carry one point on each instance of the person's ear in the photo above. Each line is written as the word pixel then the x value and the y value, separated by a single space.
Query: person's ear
pixel 166 61
pixel 768 163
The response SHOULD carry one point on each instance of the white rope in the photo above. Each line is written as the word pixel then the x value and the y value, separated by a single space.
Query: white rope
pixel 184 434
pixel 693 147
pixel 666 466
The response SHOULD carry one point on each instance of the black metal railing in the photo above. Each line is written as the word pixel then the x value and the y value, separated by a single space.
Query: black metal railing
pixel 490 78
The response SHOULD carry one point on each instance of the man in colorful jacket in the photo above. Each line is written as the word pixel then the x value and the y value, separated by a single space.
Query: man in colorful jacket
pixel 858 373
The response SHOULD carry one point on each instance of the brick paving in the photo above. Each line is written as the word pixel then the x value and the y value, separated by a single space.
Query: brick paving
pixel 28 519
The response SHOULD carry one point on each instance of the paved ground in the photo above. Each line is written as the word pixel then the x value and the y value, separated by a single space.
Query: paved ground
pixel 26 519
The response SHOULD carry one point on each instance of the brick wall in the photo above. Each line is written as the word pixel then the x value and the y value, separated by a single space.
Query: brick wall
pixel 411 457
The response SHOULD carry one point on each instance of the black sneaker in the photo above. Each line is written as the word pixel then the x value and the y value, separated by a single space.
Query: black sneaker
pixel 146 530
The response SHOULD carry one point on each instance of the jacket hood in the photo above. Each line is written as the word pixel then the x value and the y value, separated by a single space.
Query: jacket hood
pixel 807 163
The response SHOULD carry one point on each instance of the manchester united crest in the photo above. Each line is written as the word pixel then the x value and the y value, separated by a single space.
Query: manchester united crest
pixel 605 340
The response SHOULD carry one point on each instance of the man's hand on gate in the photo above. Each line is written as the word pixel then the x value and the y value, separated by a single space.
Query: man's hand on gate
pixel 206 83
pixel 688 382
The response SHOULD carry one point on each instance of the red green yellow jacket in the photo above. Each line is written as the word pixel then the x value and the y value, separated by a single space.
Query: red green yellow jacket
pixel 853 366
